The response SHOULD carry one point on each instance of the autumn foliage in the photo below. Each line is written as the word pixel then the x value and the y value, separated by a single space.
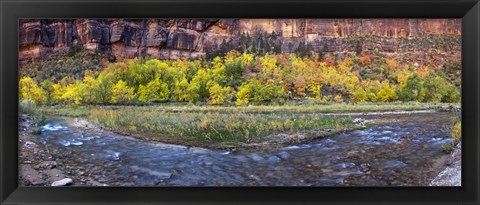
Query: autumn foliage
pixel 242 79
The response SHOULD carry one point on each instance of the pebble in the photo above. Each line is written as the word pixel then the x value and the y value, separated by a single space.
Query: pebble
pixel 62 182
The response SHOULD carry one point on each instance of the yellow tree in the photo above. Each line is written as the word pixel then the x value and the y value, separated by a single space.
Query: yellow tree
pixel 220 95
pixel 30 90
pixel 154 91
pixel 180 92
pixel 73 92
pixel 121 93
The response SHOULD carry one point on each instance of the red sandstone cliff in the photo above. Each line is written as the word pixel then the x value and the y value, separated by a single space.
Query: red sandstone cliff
pixel 182 38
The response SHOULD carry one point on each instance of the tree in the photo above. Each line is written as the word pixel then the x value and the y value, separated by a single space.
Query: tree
pixel 365 60
pixel 244 94
pixel 220 95
pixel 387 93
pixel 48 89
pixel 435 88
pixel 452 95
pixel 412 90
pixel 358 48
pixel 73 92
pixel 89 91
pixel 180 92
pixel 104 89
pixel 58 91
pixel 198 88
pixel 30 90
pixel 359 95
pixel 154 91
pixel 121 93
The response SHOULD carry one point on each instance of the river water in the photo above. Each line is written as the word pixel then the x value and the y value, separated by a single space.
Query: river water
pixel 406 152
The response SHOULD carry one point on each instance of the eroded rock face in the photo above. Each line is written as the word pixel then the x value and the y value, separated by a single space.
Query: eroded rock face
pixel 189 38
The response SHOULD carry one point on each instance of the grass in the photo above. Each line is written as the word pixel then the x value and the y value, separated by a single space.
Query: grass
pixel 65 111
pixel 214 129
pixel 227 126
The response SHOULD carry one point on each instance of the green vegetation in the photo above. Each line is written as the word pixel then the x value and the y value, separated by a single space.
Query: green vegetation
pixel 447 148
pixel 245 79
pixel 215 127
pixel 228 126
pixel 251 93
pixel 457 133
pixel 36 131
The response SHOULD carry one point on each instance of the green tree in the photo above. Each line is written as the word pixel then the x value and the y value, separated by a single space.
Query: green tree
pixel 104 89
pixel 412 90
pixel 452 95
pixel 48 89
pixel 435 88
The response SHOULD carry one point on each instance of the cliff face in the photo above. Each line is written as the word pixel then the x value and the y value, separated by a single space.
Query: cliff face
pixel 189 38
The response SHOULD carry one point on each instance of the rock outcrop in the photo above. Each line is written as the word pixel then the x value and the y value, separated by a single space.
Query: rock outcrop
pixel 189 38
pixel 452 174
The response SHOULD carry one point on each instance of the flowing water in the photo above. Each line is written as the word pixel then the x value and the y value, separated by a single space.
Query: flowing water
pixel 406 152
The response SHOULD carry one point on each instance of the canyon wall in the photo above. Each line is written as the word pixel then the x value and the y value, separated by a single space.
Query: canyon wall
pixel 189 38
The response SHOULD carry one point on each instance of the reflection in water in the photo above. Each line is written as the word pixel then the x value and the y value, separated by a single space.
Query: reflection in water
pixel 393 154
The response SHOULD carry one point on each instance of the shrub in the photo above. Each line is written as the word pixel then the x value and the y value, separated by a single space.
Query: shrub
pixel 27 106
pixel 39 119
pixel 456 133
pixel 447 148
pixel 36 131
pixel 365 60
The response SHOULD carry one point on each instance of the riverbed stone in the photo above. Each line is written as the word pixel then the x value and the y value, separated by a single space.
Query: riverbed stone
pixel 46 165
pixel 63 182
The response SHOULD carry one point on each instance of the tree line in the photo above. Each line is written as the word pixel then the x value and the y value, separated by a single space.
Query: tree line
pixel 242 78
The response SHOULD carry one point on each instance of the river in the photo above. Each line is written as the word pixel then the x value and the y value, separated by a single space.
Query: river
pixel 405 152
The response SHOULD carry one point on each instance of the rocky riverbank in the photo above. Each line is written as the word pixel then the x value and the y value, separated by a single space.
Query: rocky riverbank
pixel 38 166
pixel 452 174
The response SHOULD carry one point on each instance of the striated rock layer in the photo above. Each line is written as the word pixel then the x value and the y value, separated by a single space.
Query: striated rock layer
pixel 189 38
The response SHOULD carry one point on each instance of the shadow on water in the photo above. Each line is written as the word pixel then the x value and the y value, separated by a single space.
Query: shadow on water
pixel 402 153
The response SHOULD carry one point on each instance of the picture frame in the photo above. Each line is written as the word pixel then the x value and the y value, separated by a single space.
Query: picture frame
pixel 468 10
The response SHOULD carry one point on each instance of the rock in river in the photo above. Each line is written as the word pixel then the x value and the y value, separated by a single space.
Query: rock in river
pixel 63 182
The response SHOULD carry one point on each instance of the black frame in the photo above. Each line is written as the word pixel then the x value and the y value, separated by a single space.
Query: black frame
pixel 11 11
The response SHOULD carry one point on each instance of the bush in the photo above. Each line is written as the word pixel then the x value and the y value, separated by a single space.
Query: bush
pixel 39 119
pixel 36 131
pixel 447 148
pixel 27 106
pixel 456 133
